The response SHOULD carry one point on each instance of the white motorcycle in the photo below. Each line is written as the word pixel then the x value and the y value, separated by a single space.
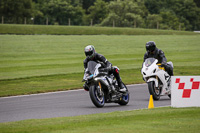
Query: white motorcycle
pixel 157 78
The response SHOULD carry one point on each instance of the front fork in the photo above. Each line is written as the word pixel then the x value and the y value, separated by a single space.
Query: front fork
pixel 99 88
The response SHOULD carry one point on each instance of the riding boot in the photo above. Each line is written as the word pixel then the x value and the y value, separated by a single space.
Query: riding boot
pixel 121 86
pixel 169 69
pixel 172 73
pixel 119 81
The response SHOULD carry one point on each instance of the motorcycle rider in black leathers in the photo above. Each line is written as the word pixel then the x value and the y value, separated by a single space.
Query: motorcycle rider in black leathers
pixel 154 52
pixel 91 55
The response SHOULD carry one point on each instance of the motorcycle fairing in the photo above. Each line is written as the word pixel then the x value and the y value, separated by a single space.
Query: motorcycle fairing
pixel 156 72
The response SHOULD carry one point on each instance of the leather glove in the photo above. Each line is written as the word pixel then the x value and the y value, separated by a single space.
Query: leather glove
pixel 163 64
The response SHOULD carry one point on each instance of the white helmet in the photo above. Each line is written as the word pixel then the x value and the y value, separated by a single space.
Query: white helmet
pixel 90 51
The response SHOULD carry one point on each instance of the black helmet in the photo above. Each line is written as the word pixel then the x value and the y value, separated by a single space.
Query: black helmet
pixel 89 51
pixel 150 46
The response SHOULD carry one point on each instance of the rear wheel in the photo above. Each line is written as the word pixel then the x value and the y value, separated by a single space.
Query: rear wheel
pixel 97 96
pixel 154 91
pixel 125 98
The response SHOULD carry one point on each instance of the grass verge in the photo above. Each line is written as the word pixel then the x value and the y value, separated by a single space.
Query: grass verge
pixel 42 63
pixel 82 30
pixel 155 120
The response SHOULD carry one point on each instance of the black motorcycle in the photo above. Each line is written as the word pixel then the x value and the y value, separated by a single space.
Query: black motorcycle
pixel 103 87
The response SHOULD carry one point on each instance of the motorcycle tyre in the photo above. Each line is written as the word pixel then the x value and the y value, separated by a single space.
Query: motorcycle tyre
pixel 94 99
pixel 151 87
pixel 125 99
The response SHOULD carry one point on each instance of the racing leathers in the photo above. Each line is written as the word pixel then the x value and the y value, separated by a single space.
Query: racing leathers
pixel 160 56
pixel 112 70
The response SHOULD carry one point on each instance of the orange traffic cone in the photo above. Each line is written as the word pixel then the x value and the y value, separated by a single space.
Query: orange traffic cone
pixel 151 102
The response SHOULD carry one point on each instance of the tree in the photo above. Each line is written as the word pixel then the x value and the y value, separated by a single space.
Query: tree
pixel 190 12
pixel 197 2
pixel 77 3
pixel 186 11
pixel 60 11
pixel 125 13
pixel 153 21
pixel 170 20
pixel 133 19
pixel 154 6
pixel 16 11
pixel 98 12
pixel 86 4
pixel 111 20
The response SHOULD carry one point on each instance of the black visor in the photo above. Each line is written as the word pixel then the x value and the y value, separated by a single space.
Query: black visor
pixel 150 48
pixel 89 53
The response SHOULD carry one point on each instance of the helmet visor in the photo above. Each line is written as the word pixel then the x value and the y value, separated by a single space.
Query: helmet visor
pixel 89 53
pixel 150 48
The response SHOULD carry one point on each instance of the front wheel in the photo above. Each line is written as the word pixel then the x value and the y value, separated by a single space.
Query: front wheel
pixel 154 91
pixel 125 98
pixel 97 96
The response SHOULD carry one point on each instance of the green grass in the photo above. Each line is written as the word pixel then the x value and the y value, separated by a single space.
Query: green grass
pixel 42 63
pixel 82 30
pixel 164 120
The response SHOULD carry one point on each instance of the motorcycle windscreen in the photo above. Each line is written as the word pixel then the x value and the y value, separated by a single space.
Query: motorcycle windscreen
pixel 91 66
pixel 149 61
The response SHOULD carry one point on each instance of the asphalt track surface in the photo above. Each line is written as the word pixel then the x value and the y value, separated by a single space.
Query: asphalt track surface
pixel 70 103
